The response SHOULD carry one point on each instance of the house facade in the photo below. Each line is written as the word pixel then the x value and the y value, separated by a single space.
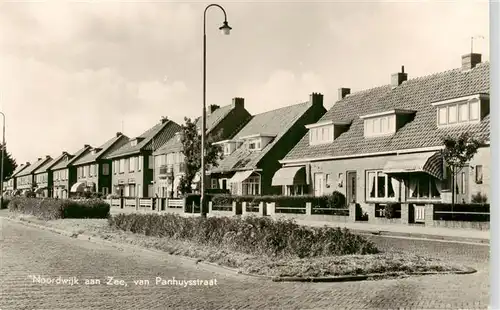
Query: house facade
pixel 43 179
pixel 93 171
pixel 26 178
pixel 252 156
pixel 11 183
pixel 133 163
pixel 63 174
pixel 221 123
pixel 383 145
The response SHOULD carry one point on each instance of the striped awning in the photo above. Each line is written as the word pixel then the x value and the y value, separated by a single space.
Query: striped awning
pixel 290 176
pixel 240 176
pixel 430 163
pixel 78 187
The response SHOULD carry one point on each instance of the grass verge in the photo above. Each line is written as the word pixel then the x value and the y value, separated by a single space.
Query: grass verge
pixel 401 264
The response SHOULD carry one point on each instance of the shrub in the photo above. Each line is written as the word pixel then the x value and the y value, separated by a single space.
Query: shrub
pixel 5 203
pixel 222 200
pixel 336 200
pixel 479 198
pixel 50 208
pixel 251 235
pixel 391 210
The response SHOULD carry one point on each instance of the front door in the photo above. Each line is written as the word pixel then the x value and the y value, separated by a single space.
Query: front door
pixel 351 186
pixel 462 185
pixel 318 184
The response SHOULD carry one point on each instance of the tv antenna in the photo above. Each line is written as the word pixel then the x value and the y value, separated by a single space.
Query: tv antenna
pixel 472 42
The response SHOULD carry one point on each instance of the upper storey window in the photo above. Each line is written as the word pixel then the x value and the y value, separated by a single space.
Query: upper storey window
pixel 385 123
pixel 325 132
pixel 462 110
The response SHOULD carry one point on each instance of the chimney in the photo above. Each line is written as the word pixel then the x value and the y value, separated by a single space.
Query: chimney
pixel 343 92
pixel 118 134
pixel 469 61
pixel 47 156
pixel 39 158
pixel 239 103
pixel 398 78
pixel 316 99
pixel 212 108
pixel 164 120
pixel 27 163
pixel 86 145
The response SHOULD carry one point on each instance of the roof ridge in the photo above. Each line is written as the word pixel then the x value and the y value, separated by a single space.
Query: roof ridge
pixel 285 107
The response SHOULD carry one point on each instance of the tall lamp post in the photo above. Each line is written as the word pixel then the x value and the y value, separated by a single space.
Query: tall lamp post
pixel 225 30
pixel 3 155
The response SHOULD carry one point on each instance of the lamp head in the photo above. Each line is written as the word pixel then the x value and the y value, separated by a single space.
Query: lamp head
pixel 225 28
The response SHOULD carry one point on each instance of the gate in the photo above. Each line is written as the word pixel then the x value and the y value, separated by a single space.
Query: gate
pixel 419 214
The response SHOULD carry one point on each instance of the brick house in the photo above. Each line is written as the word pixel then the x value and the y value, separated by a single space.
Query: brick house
pixel 222 122
pixel 26 178
pixel 252 156
pixel 63 174
pixel 93 171
pixel 43 179
pixel 11 183
pixel 132 164
pixel 383 144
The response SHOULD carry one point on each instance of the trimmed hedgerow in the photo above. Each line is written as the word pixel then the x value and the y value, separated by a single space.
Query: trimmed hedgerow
pixel 51 209
pixel 251 235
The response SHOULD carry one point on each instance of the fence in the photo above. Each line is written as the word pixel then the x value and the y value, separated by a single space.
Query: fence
pixel 475 216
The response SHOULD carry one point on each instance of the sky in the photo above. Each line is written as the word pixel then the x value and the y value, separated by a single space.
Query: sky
pixel 75 73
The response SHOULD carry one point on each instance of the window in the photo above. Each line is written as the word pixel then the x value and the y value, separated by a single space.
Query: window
pixel 105 169
pixel 251 186
pixel 215 183
pixel 227 149
pixel 254 144
pixel 139 190
pixel 379 126
pixel 296 190
pixel 479 174
pixel 105 190
pixel 92 170
pixel 380 185
pixel 141 163
pixel 132 190
pixel 442 116
pixel 463 112
pixel 150 190
pixel 328 180
pixel 321 135
pixel 474 109
pixel 452 114
pixel 131 164
pixel 114 166
pixel 424 186
pixel 122 166
pixel 150 162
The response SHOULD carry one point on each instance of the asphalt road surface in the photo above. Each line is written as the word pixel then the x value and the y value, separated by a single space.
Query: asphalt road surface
pixel 32 260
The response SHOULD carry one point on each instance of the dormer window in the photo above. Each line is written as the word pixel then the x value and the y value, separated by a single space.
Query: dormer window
pixel 227 148
pixel 254 144
pixel 325 132
pixel 463 110
pixel 385 123
pixel 133 142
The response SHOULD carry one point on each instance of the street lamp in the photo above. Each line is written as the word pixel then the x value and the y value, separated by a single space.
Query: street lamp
pixel 225 30
pixel 3 152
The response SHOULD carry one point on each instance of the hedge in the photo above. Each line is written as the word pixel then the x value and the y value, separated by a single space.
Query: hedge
pixel 51 208
pixel 5 203
pixel 252 235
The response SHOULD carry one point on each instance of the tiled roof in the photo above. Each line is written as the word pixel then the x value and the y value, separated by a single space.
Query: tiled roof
pixel 158 134
pixel 43 168
pixel 275 122
pixel 415 94
pixel 81 152
pixel 59 161
pixel 213 119
pixel 19 169
pixel 34 166
pixel 108 147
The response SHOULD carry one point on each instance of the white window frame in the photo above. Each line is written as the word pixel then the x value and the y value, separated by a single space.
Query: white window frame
pixel 473 107
pixel 387 181
pixel 131 164
pixel 380 126
pixel 150 162
pixel 429 186
pixel 215 183
pixel 478 171
pixel 321 134
pixel 141 163
pixel 251 186
pixel 122 165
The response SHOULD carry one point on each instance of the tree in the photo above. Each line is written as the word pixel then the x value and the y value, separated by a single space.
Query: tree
pixel 191 142
pixel 457 153
pixel 9 164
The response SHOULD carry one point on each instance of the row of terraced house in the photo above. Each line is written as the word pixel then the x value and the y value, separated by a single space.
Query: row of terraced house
pixel 378 145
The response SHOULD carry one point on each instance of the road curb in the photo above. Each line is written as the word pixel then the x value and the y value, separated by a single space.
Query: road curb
pixel 421 236
pixel 120 246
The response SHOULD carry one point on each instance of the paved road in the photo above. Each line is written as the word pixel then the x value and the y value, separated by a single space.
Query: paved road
pixel 27 251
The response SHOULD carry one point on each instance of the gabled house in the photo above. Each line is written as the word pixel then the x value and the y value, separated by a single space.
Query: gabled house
pixel 221 123
pixel 11 183
pixel 383 145
pixel 252 156
pixel 93 171
pixel 43 179
pixel 26 178
pixel 63 174
pixel 132 164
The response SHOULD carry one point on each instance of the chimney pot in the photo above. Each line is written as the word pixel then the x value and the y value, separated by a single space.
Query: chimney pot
pixel 39 158
pixel 239 103
pixel 212 108
pixel 469 61
pixel 118 134
pixel 86 145
pixel 316 99
pixel 27 163
pixel 343 92
pixel 398 78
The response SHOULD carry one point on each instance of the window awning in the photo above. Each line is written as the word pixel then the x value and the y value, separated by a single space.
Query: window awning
pixel 430 163
pixel 290 176
pixel 39 190
pixel 240 176
pixel 78 187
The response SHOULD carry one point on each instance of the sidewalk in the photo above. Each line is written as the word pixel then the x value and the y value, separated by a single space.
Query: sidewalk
pixel 413 231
